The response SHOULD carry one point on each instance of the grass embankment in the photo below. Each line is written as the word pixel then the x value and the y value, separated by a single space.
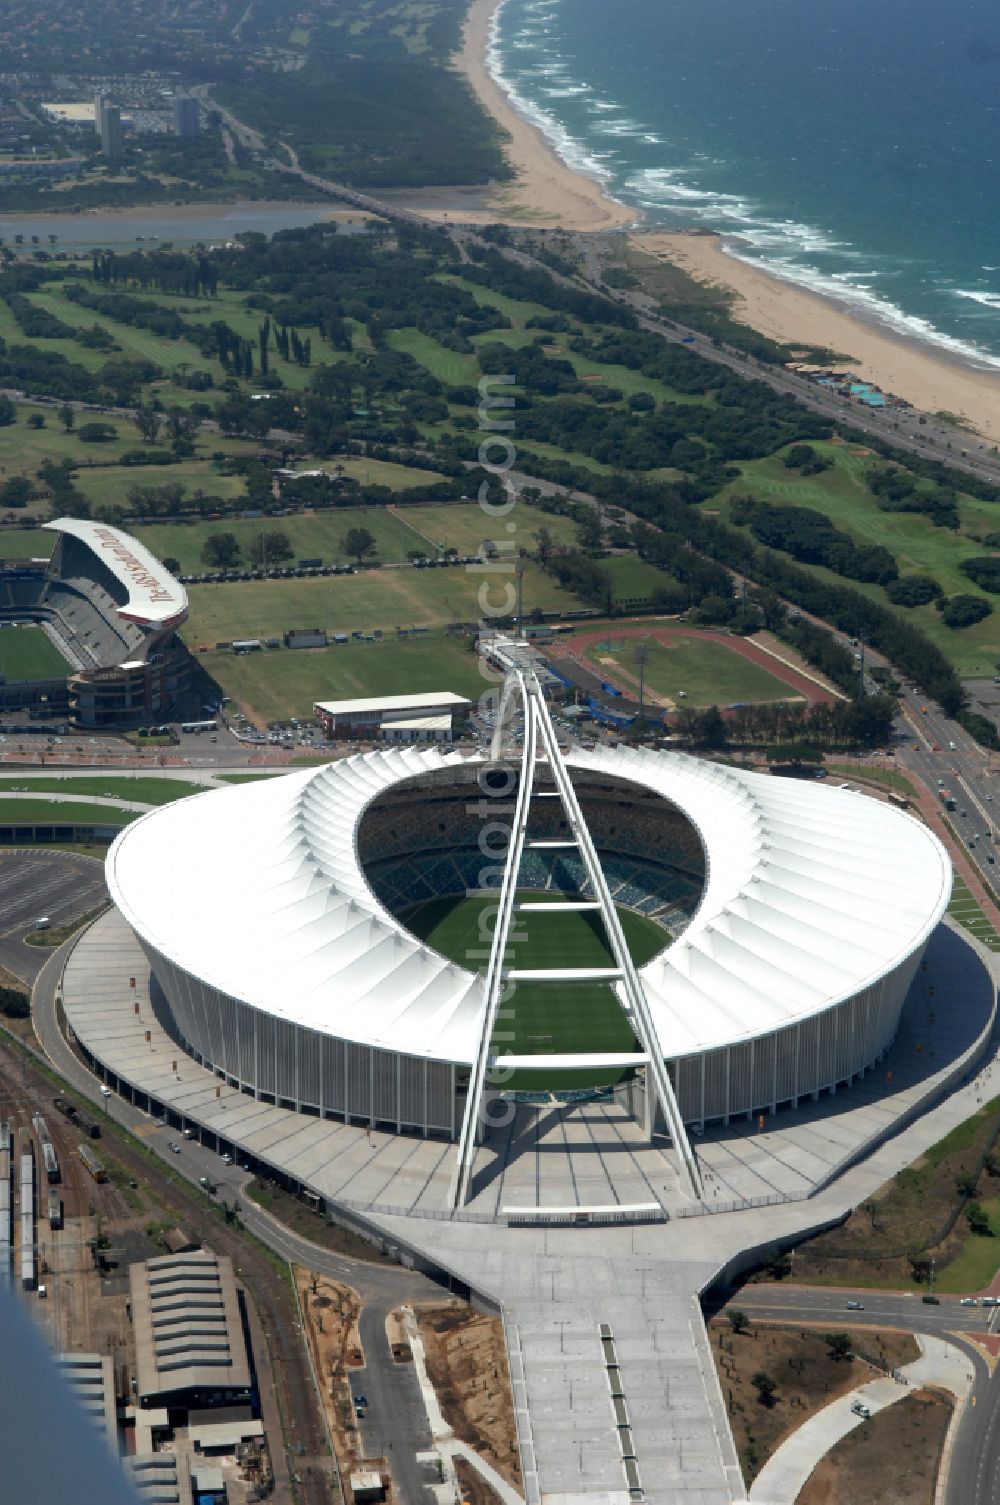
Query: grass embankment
pixel 311 1225
pixel 805 1374
pixel 42 812
pixel 137 791
pixel 920 549
pixel 964 908
pixel 689 671
pixel 547 1018
pixel 907 1220
pixel 887 776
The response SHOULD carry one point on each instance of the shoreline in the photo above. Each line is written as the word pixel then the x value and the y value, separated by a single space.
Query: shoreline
pixel 933 380
pixel 548 192
pixel 545 191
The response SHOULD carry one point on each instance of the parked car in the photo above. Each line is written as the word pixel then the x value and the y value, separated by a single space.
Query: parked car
pixel 968 1301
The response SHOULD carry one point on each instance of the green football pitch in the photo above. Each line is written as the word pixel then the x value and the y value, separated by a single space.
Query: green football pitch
pixel 545 1017
pixel 28 653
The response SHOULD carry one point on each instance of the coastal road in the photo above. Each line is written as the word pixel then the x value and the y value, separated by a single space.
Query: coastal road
pixel 974 1469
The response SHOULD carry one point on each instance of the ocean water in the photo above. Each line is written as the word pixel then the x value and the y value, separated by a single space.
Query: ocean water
pixel 853 145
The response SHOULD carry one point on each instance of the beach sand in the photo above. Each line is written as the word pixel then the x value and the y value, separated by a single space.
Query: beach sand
pixel 546 191
pixel 933 382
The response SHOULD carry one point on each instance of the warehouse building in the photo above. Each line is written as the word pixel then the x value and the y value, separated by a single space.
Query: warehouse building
pixel 375 716
pixel 190 1348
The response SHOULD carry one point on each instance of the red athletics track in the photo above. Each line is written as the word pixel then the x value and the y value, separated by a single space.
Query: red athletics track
pixel 573 647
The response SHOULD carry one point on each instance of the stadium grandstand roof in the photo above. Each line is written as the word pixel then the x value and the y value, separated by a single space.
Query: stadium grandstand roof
pixel 155 598
pixel 811 895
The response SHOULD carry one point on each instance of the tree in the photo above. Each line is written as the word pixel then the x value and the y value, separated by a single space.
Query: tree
pixel 171 565
pixel 97 433
pixel 36 420
pixel 14 1004
pixel 544 544
pixel 270 547
pixel 965 1183
pixel 765 1387
pixel 221 551
pixel 357 543
pixel 67 416
pixel 147 421
pixel 8 412
pixel 978 1220
pixel 739 1321
pixel 16 491
pixel 839 1345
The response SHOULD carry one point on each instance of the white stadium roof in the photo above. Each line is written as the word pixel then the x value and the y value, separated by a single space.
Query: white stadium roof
pixel 155 598
pixel 443 698
pixel 811 894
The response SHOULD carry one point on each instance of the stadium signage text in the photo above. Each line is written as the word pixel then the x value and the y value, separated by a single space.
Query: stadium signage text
pixel 134 568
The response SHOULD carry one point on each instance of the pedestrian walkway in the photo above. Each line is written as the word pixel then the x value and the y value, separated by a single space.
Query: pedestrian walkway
pixel 785 1474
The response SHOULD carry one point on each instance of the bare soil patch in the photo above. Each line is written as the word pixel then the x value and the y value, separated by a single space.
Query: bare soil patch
pixel 467 1365
pixel 330 1312
pixel 475 1491
pixel 805 1375
pixel 890 1460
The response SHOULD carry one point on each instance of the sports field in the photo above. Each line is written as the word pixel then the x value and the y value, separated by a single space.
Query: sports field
pixel 28 653
pixel 276 684
pixel 546 1018
pixel 687 671
pixel 43 812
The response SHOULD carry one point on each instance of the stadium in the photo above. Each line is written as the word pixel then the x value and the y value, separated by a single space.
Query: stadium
pixel 326 950
pixel 88 636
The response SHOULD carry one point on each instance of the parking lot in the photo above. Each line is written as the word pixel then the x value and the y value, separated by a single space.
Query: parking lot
pixel 56 885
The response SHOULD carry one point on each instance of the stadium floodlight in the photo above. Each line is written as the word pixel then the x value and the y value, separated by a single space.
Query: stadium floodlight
pixel 539 735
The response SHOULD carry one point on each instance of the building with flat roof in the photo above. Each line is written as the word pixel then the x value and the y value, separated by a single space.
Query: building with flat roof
pixel 416 729
pixel 190 1348
pixel 364 716
pixel 186 117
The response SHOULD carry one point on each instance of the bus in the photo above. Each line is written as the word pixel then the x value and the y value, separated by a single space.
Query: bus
pixel 899 800
pixel 198 726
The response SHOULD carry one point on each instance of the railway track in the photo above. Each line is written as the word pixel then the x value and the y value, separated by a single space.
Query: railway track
pixel 304 1470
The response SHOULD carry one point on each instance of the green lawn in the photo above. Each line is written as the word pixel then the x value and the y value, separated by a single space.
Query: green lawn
pixel 546 1018
pixel 371 598
pixel 918 547
pixel 465 526
pixel 637 580
pixel 30 812
pixel 138 790
pixel 707 672
pixel 28 653
pixel 887 776
pixel 275 685
pixel 966 910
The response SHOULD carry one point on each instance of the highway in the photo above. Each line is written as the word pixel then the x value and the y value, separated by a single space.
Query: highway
pixel 974 1472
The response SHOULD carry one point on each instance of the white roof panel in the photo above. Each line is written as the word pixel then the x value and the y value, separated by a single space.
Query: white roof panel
pixel 811 894
pixel 155 598
pixel 390 703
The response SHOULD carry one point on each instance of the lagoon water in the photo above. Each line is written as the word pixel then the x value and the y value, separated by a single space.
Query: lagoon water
pixel 854 145
pixel 177 225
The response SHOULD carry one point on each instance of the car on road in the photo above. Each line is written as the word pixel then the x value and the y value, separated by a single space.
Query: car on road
pixel 208 1185
pixel 174 1147
pixel 991 1301
pixel 968 1301
pixel 227 1159
pixel 105 1091
pixel 931 1300
pixel 860 1409
pixel 855 1306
